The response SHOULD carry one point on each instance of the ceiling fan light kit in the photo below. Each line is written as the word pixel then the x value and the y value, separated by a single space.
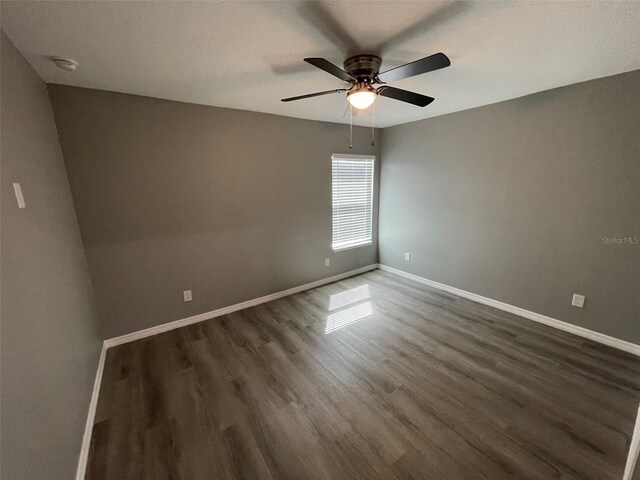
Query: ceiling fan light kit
pixel 362 95
pixel 363 73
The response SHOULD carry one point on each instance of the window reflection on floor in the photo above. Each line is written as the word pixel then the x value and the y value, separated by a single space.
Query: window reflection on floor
pixel 354 295
pixel 352 314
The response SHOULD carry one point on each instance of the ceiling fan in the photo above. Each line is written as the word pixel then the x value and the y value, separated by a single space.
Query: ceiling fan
pixel 362 72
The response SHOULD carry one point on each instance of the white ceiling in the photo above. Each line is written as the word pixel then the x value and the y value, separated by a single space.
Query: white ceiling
pixel 248 55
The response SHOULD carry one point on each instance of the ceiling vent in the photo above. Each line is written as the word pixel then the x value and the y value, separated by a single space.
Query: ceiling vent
pixel 68 64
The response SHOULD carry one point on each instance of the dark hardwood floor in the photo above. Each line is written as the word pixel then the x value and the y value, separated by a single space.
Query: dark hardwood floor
pixel 372 377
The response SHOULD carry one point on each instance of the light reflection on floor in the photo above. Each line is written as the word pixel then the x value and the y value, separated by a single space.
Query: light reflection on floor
pixel 348 316
pixel 350 296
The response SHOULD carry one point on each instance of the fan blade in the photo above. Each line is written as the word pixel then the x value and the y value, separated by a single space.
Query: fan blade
pixel 329 67
pixel 320 17
pixel 441 15
pixel 405 96
pixel 317 94
pixel 424 65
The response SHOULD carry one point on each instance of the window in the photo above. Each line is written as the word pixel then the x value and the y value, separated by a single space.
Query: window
pixel 352 196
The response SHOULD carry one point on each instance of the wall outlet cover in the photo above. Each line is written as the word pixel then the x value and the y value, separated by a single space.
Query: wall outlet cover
pixel 327 262
pixel 187 295
pixel 407 257
pixel 577 300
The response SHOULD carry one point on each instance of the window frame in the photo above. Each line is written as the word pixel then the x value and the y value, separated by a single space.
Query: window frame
pixel 349 156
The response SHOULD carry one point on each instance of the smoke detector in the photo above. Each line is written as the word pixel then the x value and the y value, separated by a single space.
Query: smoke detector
pixel 68 64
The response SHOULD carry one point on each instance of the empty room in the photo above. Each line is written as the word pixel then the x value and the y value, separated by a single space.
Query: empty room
pixel 320 240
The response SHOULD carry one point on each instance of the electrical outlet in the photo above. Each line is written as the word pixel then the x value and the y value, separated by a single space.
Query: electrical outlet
pixel 327 262
pixel 407 257
pixel 577 300
pixel 187 295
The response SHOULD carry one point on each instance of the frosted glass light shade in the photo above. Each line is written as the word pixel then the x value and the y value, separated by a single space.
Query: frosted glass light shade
pixel 362 98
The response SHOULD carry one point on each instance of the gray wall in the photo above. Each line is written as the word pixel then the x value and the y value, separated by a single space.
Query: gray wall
pixel 50 343
pixel 171 196
pixel 511 201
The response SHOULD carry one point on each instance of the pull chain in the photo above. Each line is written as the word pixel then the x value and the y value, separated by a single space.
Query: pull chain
pixel 350 127
pixel 373 122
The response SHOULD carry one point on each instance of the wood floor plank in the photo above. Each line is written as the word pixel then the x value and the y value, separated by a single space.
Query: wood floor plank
pixel 371 377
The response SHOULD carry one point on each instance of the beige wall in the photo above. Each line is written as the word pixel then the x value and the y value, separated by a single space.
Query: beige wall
pixel 50 343
pixel 511 201
pixel 170 196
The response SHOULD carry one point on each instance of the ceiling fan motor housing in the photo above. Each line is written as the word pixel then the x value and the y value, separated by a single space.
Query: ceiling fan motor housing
pixel 364 68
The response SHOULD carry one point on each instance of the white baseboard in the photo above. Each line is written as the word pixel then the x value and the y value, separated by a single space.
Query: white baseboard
pixel 536 317
pixel 165 327
pixel 91 415
pixel 634 451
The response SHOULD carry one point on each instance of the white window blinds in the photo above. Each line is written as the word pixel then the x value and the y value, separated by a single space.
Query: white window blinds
pixel 352 195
